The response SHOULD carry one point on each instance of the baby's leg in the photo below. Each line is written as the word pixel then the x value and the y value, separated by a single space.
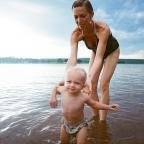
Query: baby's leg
pixel 64 136
pixel 82 136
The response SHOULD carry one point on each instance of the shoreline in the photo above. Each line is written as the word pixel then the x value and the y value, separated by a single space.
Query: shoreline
pixel 13 60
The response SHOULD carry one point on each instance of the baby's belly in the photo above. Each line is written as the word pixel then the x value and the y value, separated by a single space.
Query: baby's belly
pixel 73 118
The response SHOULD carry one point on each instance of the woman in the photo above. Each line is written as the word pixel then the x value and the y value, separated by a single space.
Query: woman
pixel 104 50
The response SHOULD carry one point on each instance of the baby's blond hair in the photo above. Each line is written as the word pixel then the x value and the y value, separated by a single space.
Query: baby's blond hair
pixel 79 70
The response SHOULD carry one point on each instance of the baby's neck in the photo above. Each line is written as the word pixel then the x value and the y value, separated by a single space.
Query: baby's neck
pixel 74 94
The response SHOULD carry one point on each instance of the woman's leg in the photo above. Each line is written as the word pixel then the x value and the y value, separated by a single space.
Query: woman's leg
pixel 94 96
pixel 82 136
pixel 108 70
pixel 64 136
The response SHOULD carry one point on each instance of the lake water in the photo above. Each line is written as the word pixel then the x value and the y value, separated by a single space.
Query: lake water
pixel 26 117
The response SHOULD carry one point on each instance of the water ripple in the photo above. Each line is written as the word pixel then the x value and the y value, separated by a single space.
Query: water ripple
pixel 26 117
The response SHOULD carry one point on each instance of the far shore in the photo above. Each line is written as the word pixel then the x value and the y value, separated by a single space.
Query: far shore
pixel 13 60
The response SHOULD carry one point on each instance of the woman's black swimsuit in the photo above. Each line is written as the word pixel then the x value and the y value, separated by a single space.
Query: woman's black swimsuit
pixel 112 45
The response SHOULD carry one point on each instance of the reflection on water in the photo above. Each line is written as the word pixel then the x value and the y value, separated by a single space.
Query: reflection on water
pixel 26 118
pixel 99 133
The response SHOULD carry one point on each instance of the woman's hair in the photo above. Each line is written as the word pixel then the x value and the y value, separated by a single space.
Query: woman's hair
pixel 85 3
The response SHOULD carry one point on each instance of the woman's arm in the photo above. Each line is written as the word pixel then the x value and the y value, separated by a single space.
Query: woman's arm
pixel 91 59
pixel 72 61
pixel 96 67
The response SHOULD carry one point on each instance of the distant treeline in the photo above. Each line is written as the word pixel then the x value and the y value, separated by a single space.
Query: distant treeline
pixel 12 60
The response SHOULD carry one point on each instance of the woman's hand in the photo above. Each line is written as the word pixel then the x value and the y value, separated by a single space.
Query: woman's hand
pixel 88 87
pixel 89 84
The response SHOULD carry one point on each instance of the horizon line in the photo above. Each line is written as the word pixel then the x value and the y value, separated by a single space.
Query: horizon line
pixel 12 57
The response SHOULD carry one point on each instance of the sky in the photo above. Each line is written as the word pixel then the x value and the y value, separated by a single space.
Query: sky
pixel 42 28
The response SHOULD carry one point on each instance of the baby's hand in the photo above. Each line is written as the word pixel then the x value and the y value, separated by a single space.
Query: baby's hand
pixel 53 102
pixel 114 106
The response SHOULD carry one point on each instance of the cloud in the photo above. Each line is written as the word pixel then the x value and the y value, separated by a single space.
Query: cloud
pixel 20 40
pixel 28 7
pixel 42 29
pixel 24 31
pixel 101 13
pixel 134 55
pixel 121 34
pixel 131 15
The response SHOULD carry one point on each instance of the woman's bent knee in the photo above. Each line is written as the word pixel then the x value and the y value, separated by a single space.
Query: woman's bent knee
pixel 104 86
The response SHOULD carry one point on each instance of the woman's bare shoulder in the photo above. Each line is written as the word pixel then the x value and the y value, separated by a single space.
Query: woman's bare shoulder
pixel 101 26
pixel 76 34
pixel 102 30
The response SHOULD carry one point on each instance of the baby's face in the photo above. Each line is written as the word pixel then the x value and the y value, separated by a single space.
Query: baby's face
pixel 74 82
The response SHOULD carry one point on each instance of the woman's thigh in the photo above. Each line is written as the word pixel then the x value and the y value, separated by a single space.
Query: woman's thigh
pixel 110 65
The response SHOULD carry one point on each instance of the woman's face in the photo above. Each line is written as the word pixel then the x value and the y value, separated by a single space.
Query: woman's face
pixel 82 16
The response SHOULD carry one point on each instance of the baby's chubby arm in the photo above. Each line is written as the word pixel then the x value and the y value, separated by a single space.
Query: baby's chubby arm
pixel 57 90
pixel 97 105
